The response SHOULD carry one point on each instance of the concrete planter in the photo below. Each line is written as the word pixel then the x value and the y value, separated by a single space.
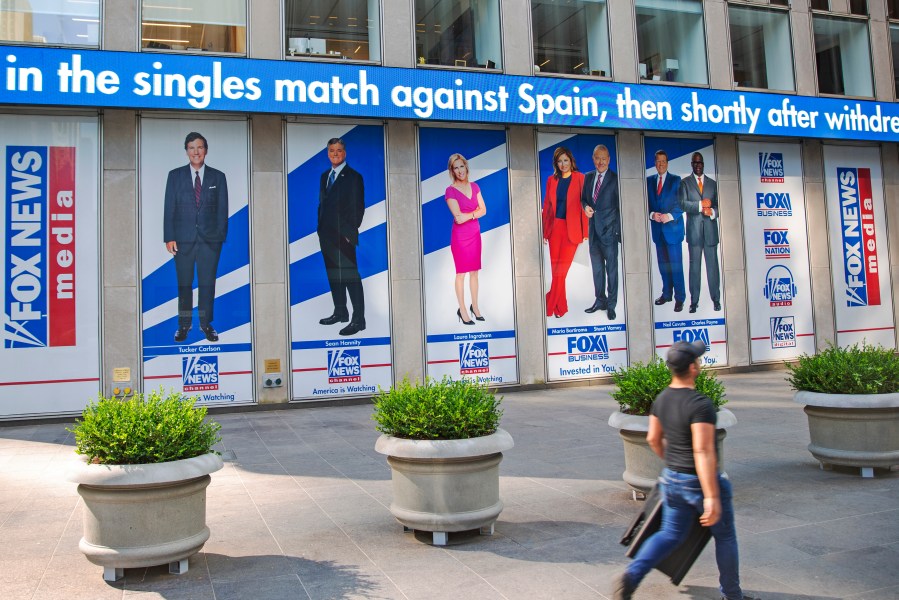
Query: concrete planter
pixel 446 485
pixel 144 515
pixel 853 430
pixel 641 465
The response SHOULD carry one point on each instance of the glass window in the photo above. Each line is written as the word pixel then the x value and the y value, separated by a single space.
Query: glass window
pixel 571 37
pixel 58 22
pixel 195 25
pixel 458 33
pixel 819 4
pixel 671 41
pixel 894 42
pixel 893 9
pixel 762 51
pixel 858 7
pixel 843 56
pixel 343 29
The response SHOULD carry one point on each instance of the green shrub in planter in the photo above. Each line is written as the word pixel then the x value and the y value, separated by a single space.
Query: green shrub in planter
pixel 148 428
pixel 639 384
pixel 437 410
pixel 849 370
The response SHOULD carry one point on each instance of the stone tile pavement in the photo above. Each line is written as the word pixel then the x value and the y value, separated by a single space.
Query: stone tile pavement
pixel 301 511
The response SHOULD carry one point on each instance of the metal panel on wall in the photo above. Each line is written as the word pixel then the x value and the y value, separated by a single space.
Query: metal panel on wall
pixel 467 258
pixel 776 245
pixel 859 260
pixel 50 356
pixel 195 258
pixel 338 260
pixel 581 345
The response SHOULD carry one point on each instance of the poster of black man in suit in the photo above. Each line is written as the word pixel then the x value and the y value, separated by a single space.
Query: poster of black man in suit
pixel 586 334
pixel 337 231
pixel 684 222
pixel 195 260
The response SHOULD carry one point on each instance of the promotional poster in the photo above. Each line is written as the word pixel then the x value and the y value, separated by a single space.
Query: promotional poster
pixel 777 262
pixel 586 335
pixel 339 288
pixel 50 356
pixel 859 258
pixel 683 219
pixel 466 240
pixel 195 261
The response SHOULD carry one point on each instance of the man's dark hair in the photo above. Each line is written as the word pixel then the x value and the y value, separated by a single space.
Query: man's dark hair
pixel 661 153
pixel 193 135
pixel 340 141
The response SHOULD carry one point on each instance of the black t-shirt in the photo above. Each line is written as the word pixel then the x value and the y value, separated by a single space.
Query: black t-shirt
pixel 677 409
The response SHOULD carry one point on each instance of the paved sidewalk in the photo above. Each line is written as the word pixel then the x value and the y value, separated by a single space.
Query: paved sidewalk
pixel 301 511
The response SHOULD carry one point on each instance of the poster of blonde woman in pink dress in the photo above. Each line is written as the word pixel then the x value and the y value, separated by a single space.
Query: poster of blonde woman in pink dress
pixel 466 204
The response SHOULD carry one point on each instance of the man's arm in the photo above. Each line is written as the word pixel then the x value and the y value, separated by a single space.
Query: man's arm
pixel 222 209
pixel 707 470
pixel 587 195
pixel 691 207
pixel 656 436
pixel 168 216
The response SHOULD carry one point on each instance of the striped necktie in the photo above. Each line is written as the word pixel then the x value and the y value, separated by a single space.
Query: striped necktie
pixel 197 188
pixel 331 179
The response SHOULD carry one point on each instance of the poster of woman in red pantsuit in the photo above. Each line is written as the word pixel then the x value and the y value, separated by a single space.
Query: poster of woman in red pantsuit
pixel 565 225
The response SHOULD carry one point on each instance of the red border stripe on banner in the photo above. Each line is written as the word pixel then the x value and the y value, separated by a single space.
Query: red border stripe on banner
pixel 869 236
pixel 61 258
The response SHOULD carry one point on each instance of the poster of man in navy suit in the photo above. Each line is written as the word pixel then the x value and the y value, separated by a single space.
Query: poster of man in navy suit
pixel 666 221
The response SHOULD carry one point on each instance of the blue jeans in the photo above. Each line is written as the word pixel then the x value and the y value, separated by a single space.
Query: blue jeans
pixel 682 506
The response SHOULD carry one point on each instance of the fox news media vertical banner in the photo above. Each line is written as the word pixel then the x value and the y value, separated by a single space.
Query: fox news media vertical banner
pixel 580 345
pixel 863 304
pixel 214 371
pixel 50 357
pixel 778 281
pixel 486 350
pixel 325 362
pixel 706 323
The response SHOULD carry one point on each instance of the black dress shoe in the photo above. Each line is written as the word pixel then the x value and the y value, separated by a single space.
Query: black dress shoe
pixel 181 334
pixel 210 333
pixel 335 318
pixel 471 311
pixel 678 306
pixel 662 300
pixel 596 306
pixel 611 314
pixel 352 329
pixel 717 306
pixel 693 308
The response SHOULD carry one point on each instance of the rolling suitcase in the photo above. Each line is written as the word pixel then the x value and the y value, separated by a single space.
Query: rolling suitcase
pixel 677 564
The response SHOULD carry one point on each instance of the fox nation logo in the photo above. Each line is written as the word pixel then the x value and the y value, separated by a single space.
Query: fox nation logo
pixel 779 287
pixel 693 334
pixel 771 167
pixel 783 332
pixel 344 366
pixel 474 357
pixel 777 244
pixel 200 373
pixel 588 347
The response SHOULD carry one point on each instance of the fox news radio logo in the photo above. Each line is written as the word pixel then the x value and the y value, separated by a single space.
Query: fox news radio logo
pixel 344 366
pixel 779 287
pixel 771 204
pixel 771 167
pixel 39 255
pixel 474 358
pixel 693 334
pixel 783 332
pixel 200 373
pixel 588 347
pixel 777 245
pixel 862 274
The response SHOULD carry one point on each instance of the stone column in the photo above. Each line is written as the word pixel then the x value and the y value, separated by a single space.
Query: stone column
pixel 818 249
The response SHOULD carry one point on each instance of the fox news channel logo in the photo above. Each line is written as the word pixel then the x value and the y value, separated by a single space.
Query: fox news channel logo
pixel 344 365
pixel 474 357
pixel 588 347
pixel 860 265
pixel 693 334
pixel 779 287
pixel 771 167
pixel 777 244
pixel 200 373
pixel 773 204
pixel 783 332
pixel 39 257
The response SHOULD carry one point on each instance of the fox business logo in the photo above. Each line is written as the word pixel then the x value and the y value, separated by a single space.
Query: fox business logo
pixel 344 366
pixel 588 347
pixel 771 204
pixel 771 167
pixel 860 265
pixel 779 287
pixel 777 244
pixel 200 373
pixel 474 357
pixel 783 332
pixel 39 255
pixel 693 334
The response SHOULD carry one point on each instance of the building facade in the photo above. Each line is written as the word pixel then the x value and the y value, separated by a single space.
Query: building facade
pixel 263 279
